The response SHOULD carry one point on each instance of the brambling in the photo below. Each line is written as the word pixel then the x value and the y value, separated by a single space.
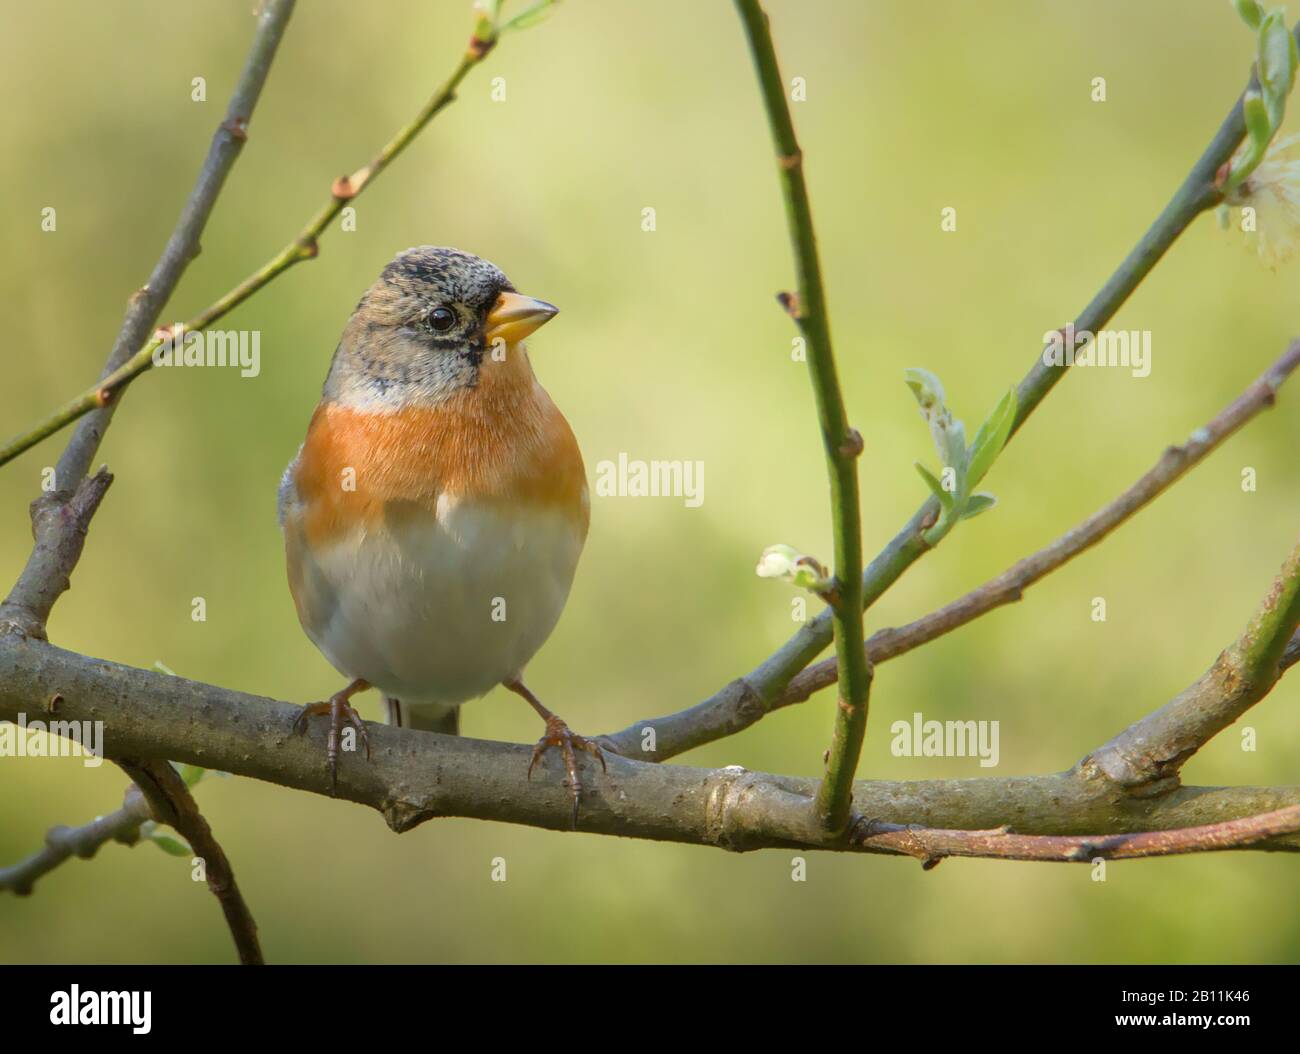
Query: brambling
pixel 434 515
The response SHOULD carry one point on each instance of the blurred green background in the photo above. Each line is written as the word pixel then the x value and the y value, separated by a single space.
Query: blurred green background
pixel 669 345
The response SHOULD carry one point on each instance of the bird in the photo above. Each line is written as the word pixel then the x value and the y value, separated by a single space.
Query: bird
pixel 434 514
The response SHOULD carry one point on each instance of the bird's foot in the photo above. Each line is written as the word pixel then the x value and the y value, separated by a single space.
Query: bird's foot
pixel 559 735
pixel 341 713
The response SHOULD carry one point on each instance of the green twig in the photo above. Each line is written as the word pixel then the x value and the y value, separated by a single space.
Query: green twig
pixel 842 443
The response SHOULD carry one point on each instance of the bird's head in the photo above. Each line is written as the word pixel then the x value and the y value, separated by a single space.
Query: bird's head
pixel 433 321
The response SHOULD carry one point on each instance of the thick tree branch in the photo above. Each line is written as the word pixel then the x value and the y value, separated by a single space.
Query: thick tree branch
pixel 842 443
pixel 417 776
pixel 304 246
pixel 173 804
pixel 739 705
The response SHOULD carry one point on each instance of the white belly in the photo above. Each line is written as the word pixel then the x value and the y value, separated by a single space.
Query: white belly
pixel 437 611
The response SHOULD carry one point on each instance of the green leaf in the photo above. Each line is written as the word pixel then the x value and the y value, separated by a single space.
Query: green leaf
pixel 162 668
pixel 978 503
pixel 954 452
pixel 1250 12
pixel 1258 133
pixel 531 16
pixel 1259 126
pixel 925 386
pixel 806 577
pixel 936 488
pixel 170 846
pixel 992 437
pixel 1277 65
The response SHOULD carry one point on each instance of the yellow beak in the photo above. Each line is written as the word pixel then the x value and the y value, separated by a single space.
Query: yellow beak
pixel 514 316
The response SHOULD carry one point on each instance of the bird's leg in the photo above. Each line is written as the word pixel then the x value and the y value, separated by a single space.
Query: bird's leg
pixel 340 712
pixel 394 711
pixel 558 735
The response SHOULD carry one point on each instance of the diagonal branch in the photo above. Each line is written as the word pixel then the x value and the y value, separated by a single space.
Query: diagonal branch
pixel 173 804
pixel 737 707
pixel 842 443
pixel 304 246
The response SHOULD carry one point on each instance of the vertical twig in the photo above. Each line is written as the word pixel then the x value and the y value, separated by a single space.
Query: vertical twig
pixel 842 443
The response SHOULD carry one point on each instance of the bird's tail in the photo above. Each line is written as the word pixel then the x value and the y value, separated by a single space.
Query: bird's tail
pixel 444 719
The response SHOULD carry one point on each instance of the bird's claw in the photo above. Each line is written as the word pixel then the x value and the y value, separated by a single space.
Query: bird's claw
pixel 559 735
pixel 340 712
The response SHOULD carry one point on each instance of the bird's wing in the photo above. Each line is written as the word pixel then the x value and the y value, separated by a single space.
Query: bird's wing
pixel 288 493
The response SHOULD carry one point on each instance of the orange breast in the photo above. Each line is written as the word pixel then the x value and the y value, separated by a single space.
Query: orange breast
pixel 500 442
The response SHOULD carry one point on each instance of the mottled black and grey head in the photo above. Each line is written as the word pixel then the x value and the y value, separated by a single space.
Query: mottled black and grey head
pixel 423 329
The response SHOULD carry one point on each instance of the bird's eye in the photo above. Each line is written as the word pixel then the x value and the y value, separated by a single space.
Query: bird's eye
pixel 442 319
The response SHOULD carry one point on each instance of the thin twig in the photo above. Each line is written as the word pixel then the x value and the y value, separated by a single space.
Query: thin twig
pixel 304 246
pixel 842 443
pixel 63 843
pixel 173 804
pixel 930 845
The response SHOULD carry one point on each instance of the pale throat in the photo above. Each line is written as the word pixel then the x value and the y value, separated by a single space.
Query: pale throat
pixel 393 373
